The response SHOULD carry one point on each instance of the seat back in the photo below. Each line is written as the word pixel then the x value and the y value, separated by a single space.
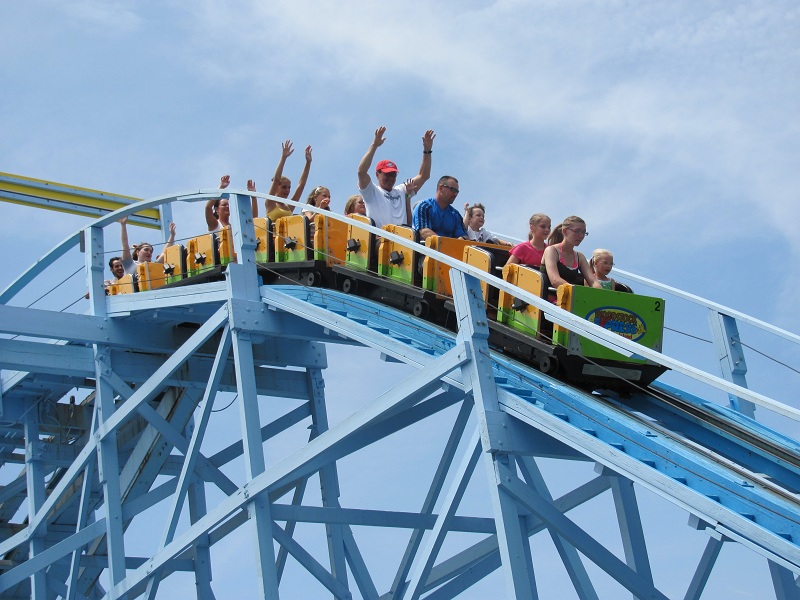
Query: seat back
pixel 174 263
pixel 514 312
pixel 481 259
pixel 397 261
pixel 436 275
pixel 225 249
pixel 360 245
pixel 265 240
pixel 330 240
pixel 150 276
pixel 201 254
pixel 124 285
pixel 293 239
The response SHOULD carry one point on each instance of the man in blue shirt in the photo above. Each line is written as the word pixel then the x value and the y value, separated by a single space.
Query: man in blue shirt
pixel 436 216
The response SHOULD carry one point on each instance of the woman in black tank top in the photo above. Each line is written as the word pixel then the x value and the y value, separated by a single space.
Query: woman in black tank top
pixel 562 261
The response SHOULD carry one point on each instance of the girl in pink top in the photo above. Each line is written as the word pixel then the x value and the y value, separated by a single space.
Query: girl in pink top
pixel 530 253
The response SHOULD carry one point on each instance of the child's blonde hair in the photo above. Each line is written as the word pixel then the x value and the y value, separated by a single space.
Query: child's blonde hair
pixel 535 219
pixel 597 254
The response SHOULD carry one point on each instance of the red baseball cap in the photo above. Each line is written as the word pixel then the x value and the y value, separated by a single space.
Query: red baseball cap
pixel 387 166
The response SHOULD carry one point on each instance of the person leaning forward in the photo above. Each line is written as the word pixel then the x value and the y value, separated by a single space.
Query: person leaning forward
pixel 387 203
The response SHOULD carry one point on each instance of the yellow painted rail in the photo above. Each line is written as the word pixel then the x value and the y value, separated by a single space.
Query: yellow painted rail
pixel 71 199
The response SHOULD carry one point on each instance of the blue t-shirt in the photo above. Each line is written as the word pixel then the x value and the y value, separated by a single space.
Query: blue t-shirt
pixel 446 222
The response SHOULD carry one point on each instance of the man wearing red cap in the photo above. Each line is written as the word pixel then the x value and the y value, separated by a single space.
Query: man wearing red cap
pixel 387 203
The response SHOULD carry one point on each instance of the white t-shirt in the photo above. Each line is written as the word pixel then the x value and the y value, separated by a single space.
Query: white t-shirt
pixel 482 235
pixel 386 208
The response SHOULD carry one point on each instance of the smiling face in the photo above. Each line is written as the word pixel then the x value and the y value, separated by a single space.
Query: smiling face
pixel 117 270
pixel 144 253
pixel 359 207
pixel 386 179
pixel 540 230
pixel 284 188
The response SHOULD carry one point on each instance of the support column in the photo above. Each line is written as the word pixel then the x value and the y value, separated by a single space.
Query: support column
pixel 328 476
pixel 34 473
pixel 473 331
pixel 107 456
pixel 245 311
pixel 731 357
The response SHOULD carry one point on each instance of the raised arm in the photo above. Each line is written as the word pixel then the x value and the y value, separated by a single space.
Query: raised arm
pixel 169 243
pixel 425 167
pixel 286 152
pixel 301 183
pixel 123 233
pixel 211 219
pixel 466 215
pixel 366 161
pixel 251 187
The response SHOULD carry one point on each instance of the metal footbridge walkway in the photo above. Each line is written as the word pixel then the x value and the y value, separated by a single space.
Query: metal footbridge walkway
pixel 119 482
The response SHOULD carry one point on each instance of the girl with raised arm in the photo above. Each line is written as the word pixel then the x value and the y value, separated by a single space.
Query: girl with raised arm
pixel 282 186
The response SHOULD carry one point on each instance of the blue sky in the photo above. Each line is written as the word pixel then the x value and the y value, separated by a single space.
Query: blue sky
pixel 671 128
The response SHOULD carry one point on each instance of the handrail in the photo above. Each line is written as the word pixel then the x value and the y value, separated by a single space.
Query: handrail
pixel 557 315
pixel 720 308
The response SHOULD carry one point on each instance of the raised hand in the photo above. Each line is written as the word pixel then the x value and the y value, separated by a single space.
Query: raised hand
pixel 251 185
pixel 224 181
pixel 286 149
pixel 427 140
pixel 308 154
pixel 379 139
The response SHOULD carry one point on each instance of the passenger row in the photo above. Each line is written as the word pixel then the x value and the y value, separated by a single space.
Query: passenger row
pixel 387 203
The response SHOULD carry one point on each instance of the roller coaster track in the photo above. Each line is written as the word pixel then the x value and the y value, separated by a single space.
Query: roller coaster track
pixel 107 439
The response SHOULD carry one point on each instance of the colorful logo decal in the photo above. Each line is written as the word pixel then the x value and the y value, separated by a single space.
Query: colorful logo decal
pixel 624 322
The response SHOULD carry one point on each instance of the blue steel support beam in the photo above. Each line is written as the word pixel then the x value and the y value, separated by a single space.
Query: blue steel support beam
pixel 244 297
pixel 193 452
pixel 437 483
pixel 291 524
pixel 703 570
pixel 784 582
pixel 143 394
pixel 107 457
pixel 308 460
pixel 310 564
pixel 84 509
pixel 630 526
pixel 473 331
pixel 328 478
pixel 569 555
pixel 36 493
pixel 731 357
pixel 425 561
pixel 590 547
pixel 202 552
